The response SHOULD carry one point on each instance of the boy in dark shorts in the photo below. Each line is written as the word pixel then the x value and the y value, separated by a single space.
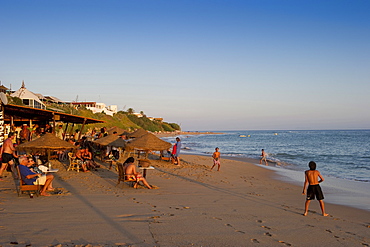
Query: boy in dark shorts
pixel 314 189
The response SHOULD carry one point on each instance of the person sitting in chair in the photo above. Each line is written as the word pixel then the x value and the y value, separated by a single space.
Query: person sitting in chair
pixel 131 174
pixel 80 156
pixel 32 178
pixel 88 159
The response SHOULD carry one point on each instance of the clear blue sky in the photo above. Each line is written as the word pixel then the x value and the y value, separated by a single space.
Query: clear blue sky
pixel 206 65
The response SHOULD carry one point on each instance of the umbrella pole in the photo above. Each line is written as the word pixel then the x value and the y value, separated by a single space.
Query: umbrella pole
pixel 48 154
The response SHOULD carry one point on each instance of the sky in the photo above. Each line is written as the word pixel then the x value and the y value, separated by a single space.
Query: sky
pixel 205 65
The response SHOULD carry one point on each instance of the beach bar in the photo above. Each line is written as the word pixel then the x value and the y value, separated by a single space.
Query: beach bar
pixel 17 115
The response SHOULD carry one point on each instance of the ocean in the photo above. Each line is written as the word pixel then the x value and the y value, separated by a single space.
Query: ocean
pixel 342 156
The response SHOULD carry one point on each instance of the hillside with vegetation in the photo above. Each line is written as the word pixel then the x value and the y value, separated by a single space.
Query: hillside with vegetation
pixel 122 119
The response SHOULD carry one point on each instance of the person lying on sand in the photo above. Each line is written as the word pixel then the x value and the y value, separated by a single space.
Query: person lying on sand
pixel 130 171
pixel 32 178
pixel 314 189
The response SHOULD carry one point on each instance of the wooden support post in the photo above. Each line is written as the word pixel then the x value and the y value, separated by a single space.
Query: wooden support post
pixel 70 133
pixel 65 131
pixel 82 127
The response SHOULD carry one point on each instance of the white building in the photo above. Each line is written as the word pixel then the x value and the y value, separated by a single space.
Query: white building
pixel 29 99
pixel 101 107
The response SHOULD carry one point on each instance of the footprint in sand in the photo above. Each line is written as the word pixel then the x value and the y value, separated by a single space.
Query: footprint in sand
pixel 268 234
pixel 228 225
pixel 217 218
pixel 239 231
pixel 259 221
pixel 287 244
pixel 266 227
pixel 253 240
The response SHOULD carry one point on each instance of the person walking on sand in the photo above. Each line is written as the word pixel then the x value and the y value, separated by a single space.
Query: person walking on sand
pixel 263 157
pixel 8 154
pixel 216 159
pixel 314 189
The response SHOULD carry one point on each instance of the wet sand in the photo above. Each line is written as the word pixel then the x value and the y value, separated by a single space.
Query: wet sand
pixel 241 205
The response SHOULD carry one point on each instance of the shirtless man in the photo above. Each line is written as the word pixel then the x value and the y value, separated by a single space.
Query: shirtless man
pixel 313 190
pixel 8 153
pixel 80 156
pixel 216 159
pixel 263 157
pixel 130 172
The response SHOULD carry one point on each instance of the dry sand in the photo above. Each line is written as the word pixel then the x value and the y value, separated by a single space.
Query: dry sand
pixel 191 206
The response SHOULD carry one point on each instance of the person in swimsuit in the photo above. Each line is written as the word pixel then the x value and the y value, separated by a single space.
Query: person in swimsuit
pixel 313 189
pixel 216 159
pixel 263 157
pixel 8 153
pixel 131 174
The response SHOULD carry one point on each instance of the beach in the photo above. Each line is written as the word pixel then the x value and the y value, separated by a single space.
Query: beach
pixel 241 205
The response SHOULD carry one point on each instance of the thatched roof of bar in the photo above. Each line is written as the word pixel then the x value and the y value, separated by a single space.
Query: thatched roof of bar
pixel 47 141
pixel 137 133
pixel 148 142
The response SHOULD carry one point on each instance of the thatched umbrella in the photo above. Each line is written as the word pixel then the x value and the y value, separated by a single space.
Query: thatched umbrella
pixel 104 141
pixel 148 142
pixel 111 140
pixel 116 129
pixel 47 142
pixel 138 133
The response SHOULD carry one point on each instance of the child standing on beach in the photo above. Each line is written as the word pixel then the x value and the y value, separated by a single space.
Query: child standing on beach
pixel 216 159
pixel 314 189
pixel 263 157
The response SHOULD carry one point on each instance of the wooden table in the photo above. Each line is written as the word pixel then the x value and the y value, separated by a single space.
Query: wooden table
pixel 146 168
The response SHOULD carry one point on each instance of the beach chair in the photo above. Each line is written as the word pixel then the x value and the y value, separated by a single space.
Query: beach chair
pixel 122 176
pixel 23 187
pixel 74 163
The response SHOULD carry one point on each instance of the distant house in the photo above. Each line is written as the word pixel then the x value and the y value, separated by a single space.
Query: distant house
pixel 85 104
pixel 97 107
pixel 139 115
pixel 28 98
pixel 53 99
pixel 3 89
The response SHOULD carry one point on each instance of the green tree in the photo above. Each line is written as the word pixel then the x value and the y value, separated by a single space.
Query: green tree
pixel 130 111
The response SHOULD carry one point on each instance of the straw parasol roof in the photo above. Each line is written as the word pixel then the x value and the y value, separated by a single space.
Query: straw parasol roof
pixel 118 143
pixel 137 133
pixel 148 142
pixel 115 129
pixel 111 140
pixel 47 141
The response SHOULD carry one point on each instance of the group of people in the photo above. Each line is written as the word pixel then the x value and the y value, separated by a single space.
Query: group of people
pixel 311 187
pixel 32 177
pixel 26 164
pixel 86 157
